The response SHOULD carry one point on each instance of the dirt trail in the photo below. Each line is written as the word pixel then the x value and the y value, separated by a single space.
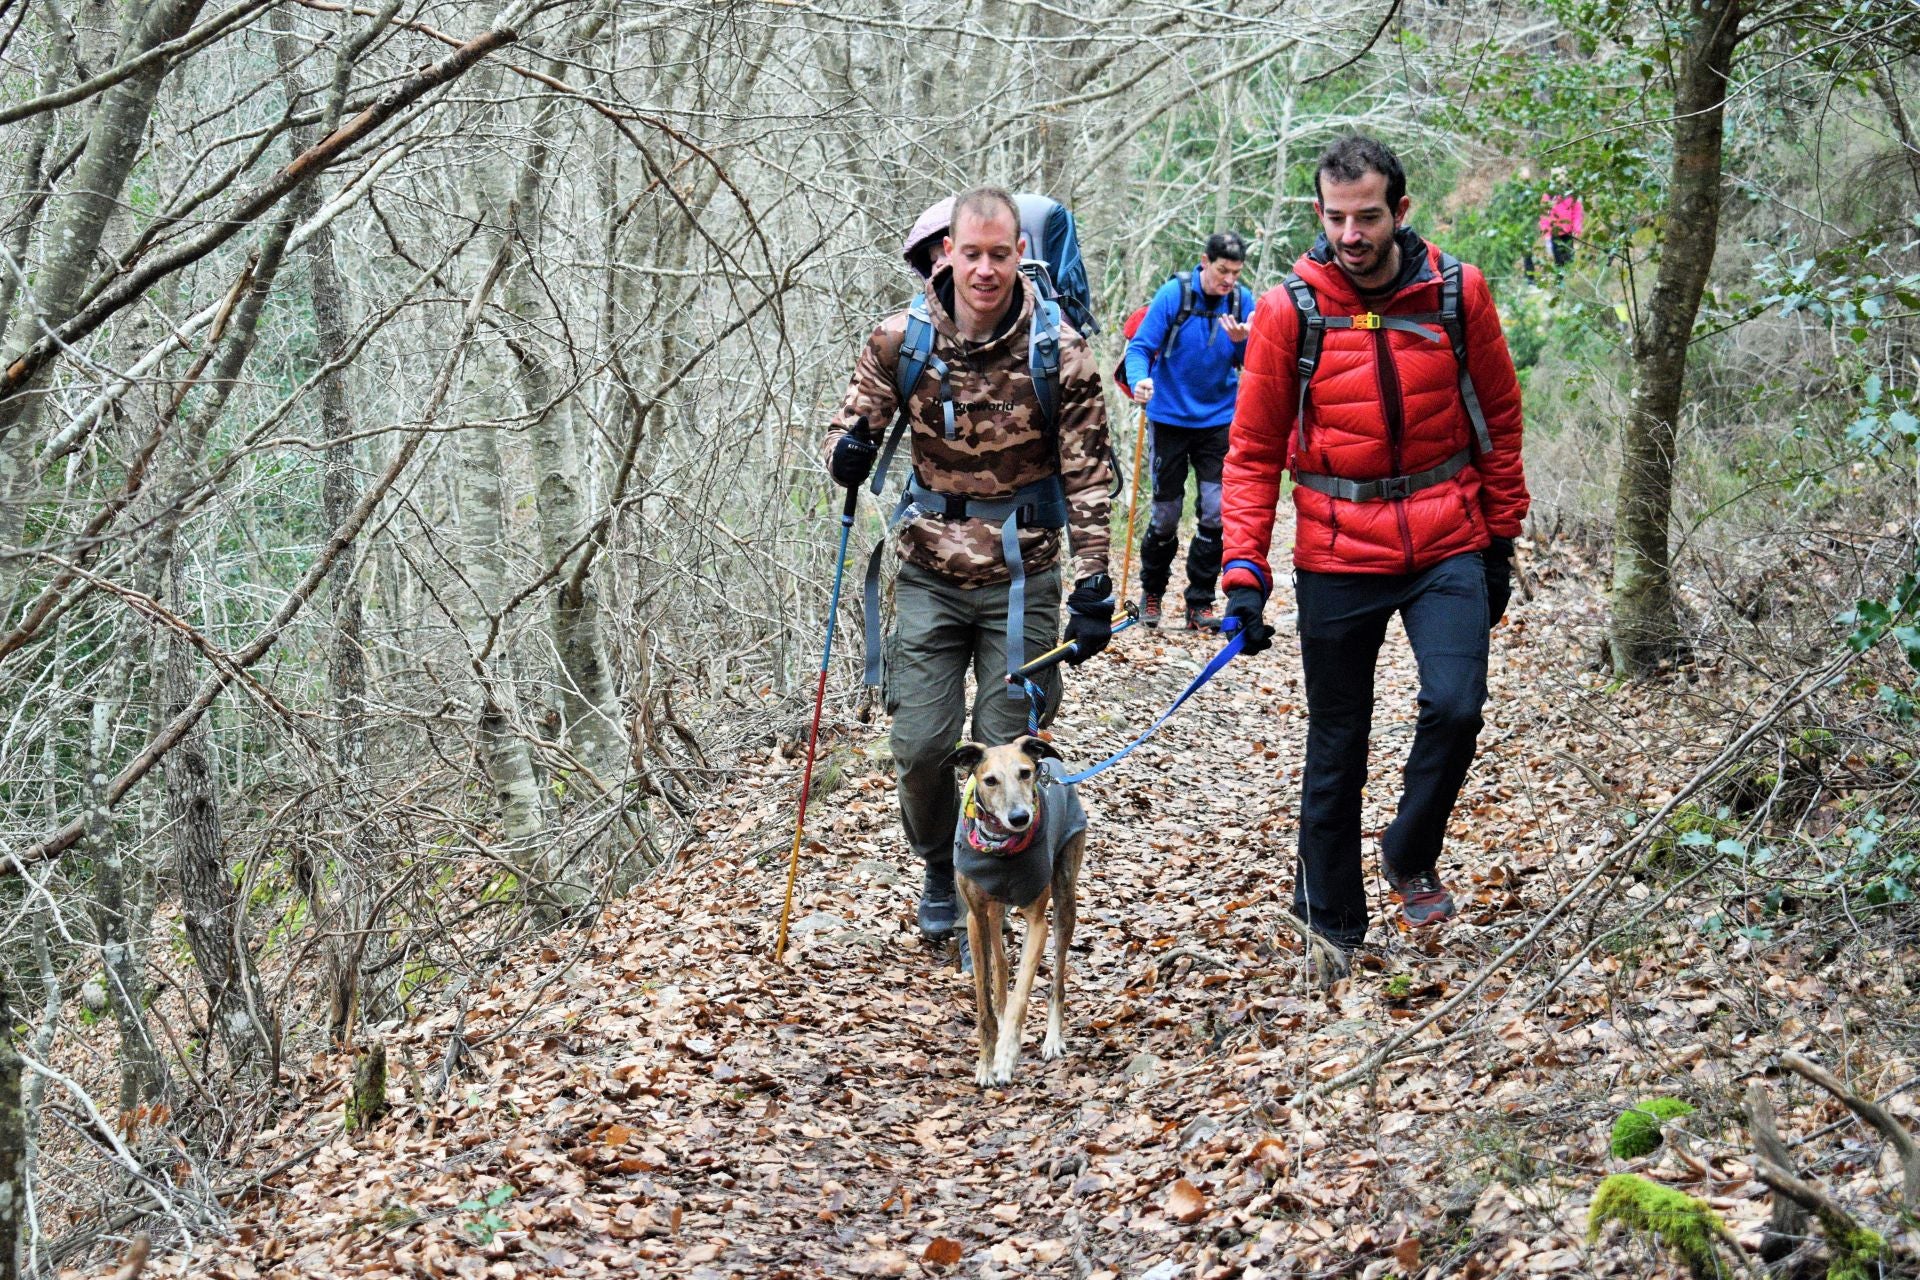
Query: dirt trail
pixel 663 1098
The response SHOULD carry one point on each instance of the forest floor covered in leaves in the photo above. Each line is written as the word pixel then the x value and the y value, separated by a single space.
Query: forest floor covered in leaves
pixel 657 1096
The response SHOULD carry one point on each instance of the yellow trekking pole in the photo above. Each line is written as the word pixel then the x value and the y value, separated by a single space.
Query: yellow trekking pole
pixel 1133 504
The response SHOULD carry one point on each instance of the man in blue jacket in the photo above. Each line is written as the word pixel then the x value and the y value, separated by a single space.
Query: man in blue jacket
pixel 1185 359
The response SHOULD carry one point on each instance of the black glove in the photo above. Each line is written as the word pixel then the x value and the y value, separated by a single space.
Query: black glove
pixel 853 455
pixel 1089 617
pixel 1245 605
pixel 1498 558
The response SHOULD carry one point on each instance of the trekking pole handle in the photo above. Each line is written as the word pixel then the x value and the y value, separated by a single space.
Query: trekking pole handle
pixel 1059 653
pixel 853 500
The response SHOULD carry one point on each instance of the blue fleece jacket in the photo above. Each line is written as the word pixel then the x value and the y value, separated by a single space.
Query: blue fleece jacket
pixel 1193 384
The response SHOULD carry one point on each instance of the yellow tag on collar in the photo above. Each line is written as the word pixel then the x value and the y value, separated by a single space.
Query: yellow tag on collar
pixel 966 799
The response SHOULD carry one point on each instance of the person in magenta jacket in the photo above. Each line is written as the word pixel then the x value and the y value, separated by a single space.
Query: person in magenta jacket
pixel 1408 493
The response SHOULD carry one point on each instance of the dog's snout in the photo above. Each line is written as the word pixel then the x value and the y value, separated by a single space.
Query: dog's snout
pixel 1018 819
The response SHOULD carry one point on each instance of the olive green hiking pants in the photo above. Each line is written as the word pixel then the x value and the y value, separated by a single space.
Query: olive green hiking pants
pixel 941 631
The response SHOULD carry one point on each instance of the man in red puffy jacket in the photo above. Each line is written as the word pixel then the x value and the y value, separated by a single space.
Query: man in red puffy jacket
pixel 1378 377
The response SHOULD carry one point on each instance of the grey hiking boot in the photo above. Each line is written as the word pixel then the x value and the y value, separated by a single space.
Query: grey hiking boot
pixel 1149 611
pixel 1424 899
pixel 939 906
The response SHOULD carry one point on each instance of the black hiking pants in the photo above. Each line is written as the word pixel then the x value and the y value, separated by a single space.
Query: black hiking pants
pixel 1175 450
pixel 1343 621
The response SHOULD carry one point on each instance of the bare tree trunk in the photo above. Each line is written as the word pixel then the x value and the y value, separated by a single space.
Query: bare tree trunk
pixel 1883 85
pixel 1646 629
pixel 13 1145
pixel 209 899
pixel 503 749
pixel 590 708
pixel 349 899
pixel 33 167
pixel 81 218
pixel 1223 155
pixel 116 913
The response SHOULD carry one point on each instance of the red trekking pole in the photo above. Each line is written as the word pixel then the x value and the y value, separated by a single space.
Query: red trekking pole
pixel 813 734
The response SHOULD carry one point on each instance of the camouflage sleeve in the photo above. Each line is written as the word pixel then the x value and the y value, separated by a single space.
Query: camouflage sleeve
pixel 1083 456
pixel 870 392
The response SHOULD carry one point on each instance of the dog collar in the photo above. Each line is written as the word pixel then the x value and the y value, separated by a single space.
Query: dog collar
pixel 983 835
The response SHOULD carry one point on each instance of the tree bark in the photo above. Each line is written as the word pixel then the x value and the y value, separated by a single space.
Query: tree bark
pixel 80 220
pixel 13 1145
pixel 1645 624
pixel 590 709
pixel 349 898
pixel 209 899
pixel 116 913
pixel 503 751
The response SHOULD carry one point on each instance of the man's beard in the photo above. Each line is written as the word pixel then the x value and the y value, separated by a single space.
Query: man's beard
pixel 1372 264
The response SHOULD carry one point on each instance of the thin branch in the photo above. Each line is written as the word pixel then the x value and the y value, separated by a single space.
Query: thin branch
pixel 306 165
pixel 1881 1119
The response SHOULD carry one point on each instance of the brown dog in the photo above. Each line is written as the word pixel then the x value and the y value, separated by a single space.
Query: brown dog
pixel 1019 843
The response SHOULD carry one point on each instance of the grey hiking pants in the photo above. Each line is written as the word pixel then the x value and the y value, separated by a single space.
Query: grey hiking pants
pixel 941 630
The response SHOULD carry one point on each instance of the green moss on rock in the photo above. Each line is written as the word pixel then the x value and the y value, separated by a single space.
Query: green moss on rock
pixel 1682 1224
pixel 1637 1131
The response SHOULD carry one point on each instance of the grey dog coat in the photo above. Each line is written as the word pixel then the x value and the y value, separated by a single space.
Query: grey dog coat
pixel 1019 878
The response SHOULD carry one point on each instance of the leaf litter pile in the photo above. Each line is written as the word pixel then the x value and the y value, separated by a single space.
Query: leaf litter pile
pixel 655 1095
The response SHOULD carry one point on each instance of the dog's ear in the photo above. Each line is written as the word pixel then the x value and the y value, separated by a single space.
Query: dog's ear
pixel 966 757
pixel 1039 748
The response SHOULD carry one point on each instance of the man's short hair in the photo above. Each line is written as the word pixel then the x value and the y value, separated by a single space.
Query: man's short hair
pixel 985 202
pixel 1353 157
pixel 1225 244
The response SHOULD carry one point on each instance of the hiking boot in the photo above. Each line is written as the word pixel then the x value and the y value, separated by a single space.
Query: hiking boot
pixel 1423 899
pixel 1149 611
pixel 1203 617
pixel 939 905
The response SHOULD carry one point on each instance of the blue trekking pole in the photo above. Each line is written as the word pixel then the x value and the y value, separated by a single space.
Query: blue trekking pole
pixel 813 734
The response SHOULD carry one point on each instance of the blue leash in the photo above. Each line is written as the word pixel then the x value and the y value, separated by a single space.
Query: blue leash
pixel 1227 654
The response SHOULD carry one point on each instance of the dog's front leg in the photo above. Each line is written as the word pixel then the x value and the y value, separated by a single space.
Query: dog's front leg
pixel 1066 879
pixel 1015 1015
pixel 985 1002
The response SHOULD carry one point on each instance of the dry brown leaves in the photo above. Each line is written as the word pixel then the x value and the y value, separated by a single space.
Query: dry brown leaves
pixel 676 1103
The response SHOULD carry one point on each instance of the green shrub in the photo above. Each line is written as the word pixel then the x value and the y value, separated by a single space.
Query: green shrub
pixel 1637 1131
pixel 1677 1220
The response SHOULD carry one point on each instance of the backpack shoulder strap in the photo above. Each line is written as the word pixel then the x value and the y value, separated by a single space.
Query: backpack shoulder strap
pixel 1313 332
pixel 1454 320
pixel 1043 363
pixel 1185 280
pixel 916 353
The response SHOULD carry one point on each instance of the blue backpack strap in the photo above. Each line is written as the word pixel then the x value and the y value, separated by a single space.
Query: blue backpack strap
pixel 1453 319
pixel 916 354
pixel 1313 334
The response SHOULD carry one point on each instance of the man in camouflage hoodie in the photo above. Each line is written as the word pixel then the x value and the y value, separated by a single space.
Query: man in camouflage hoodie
pixel 951 596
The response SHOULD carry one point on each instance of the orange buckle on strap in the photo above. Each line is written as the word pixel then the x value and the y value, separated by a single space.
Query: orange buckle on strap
pixel 1366 320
